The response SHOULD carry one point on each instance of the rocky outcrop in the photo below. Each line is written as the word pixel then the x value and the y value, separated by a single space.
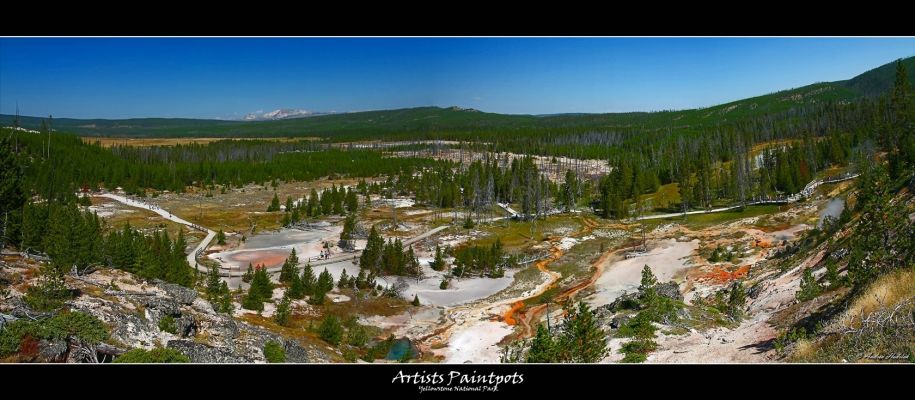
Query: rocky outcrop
pixel 133 311
pixel 187 326
pixel 165 305
pixel 53 350
pixel 295 353
pixel 204 353
pixel 178 293
pixel 670 290
pixel 626 301
pixel 128 326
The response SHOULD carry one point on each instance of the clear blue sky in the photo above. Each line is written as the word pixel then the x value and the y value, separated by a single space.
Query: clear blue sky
pixel 230 77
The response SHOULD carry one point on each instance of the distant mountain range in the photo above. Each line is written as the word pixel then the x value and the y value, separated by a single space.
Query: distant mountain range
pixel 283 113
pixel 434 120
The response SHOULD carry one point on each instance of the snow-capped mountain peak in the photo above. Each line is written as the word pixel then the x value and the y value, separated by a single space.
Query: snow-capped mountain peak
pixel 282 113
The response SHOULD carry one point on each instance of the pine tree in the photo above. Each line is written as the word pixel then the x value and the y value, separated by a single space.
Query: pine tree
pixel 543 347
pixel 282 311
pixel 182 274
pixel 309 281
pixel 296 287
pixel 12 198
pixel 371 255
pixel 415 300
pixel 346 236
pixel 343 282
pixel 352 202
pixel 412 267
pixel 288 204
pixel 274 204
pixel 220 237
pixel 261 284
pixel 213 284
pixel 647 286
pixel 249 274
pixel 290 267
pixel 338 205
pixel 324 284
pixel 225 299
pixel 253 300
pixel 832 274
pixel 325 281
pixel 810 288
pixel 582 341
pixel 359 280
pixel 331 331
pixel 438 263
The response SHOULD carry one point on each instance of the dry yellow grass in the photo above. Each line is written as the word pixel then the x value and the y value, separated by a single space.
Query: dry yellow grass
pixel 147 142
pixel 804 349
pixel 237 210
pixel 139 218
pixel 886 292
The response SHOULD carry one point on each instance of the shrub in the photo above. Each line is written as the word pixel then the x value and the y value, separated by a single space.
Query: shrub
pixel 154 356
pixel 12 334
pixel 636 351
pixel 274 352
pixel 283 312
pixel 77 325
pixel 66 325
pixel 168 324
pixel 638 327
pixel 50 293
pixel 810 288
pixel 330 330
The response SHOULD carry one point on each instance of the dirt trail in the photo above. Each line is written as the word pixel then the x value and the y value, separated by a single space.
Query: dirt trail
pixel 192 256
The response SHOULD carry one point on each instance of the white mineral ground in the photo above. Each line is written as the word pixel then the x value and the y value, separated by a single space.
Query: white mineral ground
pixel 748 343
pixel 272 248
pixel 467 320
pixel 667 258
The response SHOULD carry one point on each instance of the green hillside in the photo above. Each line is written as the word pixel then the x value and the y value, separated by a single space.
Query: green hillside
pixel 878 80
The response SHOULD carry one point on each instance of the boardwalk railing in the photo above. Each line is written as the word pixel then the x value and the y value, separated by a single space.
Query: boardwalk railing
pixel 806 192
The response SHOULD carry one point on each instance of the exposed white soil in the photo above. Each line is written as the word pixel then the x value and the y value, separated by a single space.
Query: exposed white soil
pixel 667 258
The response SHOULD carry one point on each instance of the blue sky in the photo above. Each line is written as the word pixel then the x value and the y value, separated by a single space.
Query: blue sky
pixel 227 78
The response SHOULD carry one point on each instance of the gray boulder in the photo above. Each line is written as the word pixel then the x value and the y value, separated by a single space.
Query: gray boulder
pixel 179 293
pixel 187 326
pixel 626 301
pixel 295 353
pixel 619 321
pixel 53 350
pixel 222 327
pixel 164 305
pixel 670 290
pixel 603 314
pixel 5 319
